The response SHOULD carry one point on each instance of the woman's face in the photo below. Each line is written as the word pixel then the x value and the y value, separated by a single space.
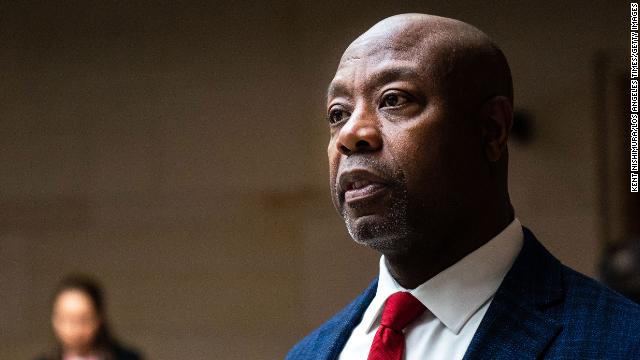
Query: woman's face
pixel 75 322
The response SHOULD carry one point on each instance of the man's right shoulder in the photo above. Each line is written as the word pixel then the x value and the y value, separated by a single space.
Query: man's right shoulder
pixel 327 341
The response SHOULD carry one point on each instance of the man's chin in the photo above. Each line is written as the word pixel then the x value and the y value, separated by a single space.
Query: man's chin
pixel 383 235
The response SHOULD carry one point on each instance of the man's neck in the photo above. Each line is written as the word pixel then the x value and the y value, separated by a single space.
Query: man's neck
pixel 415 267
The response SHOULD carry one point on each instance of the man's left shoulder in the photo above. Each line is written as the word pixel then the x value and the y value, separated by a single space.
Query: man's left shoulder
pixel 594 313
pixel 587 297
pixel 585 304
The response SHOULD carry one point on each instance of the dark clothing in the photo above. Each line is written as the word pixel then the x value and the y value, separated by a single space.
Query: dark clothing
pixel 542 310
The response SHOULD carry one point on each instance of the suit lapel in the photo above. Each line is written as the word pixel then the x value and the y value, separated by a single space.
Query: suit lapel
pixel 523 316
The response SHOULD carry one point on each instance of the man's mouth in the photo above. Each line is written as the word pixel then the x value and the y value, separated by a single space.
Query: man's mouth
pixel 359 185
pixel 361 190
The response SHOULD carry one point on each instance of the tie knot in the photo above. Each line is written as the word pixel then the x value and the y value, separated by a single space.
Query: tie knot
pixel 400 309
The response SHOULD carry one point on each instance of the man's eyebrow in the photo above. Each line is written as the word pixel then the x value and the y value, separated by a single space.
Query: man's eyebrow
pixel 337 89
pixel 376 79
pixel 388 75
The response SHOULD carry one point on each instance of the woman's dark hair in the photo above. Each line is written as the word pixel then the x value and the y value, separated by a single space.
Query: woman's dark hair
pixel 103 341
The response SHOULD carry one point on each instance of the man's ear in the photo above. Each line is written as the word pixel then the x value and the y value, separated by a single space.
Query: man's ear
pixel 496 122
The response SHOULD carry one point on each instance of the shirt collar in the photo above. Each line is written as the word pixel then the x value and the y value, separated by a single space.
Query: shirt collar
pixel 456 293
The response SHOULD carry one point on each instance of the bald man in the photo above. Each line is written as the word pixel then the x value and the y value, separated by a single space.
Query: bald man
pixel 419 113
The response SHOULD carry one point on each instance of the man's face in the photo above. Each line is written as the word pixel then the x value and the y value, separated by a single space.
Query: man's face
pixel 397 148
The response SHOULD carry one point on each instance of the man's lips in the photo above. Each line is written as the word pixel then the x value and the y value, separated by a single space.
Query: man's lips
pixel 360 184
pixel 363 192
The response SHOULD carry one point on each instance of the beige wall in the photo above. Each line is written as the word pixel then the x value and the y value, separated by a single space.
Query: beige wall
pixel 177 152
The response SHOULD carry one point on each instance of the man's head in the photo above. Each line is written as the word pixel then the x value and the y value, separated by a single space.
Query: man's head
pixel 419 111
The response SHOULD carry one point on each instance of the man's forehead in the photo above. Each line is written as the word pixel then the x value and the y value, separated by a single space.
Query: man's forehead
pixel 381 59
pixel 382 48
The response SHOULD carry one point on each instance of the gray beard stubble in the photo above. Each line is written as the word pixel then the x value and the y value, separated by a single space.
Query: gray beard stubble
pixel 389 234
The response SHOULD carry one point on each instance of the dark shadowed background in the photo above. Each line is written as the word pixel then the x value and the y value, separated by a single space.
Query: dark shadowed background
pixel 177 152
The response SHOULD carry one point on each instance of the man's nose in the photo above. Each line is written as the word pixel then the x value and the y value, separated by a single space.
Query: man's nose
pixel 361 133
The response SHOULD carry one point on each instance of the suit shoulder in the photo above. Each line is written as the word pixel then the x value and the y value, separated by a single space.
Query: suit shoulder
pixel 583 292
pixel 320 338
pixel 331 336
pixel 596 314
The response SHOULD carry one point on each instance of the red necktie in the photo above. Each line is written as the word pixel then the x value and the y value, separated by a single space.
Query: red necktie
pixel 400 309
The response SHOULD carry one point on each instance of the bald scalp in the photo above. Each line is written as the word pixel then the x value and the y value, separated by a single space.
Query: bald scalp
pixel 469 67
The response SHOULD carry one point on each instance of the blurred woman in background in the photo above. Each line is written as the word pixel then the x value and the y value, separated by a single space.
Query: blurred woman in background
pixel 80 326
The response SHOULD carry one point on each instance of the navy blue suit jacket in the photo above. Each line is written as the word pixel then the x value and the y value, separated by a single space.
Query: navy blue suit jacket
pixel 542 309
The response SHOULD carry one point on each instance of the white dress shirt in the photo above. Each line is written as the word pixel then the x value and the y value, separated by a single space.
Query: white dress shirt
pixel 456 300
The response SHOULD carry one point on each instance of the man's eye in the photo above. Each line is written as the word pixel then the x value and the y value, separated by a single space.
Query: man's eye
pixel 337 115
pixel 393 100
